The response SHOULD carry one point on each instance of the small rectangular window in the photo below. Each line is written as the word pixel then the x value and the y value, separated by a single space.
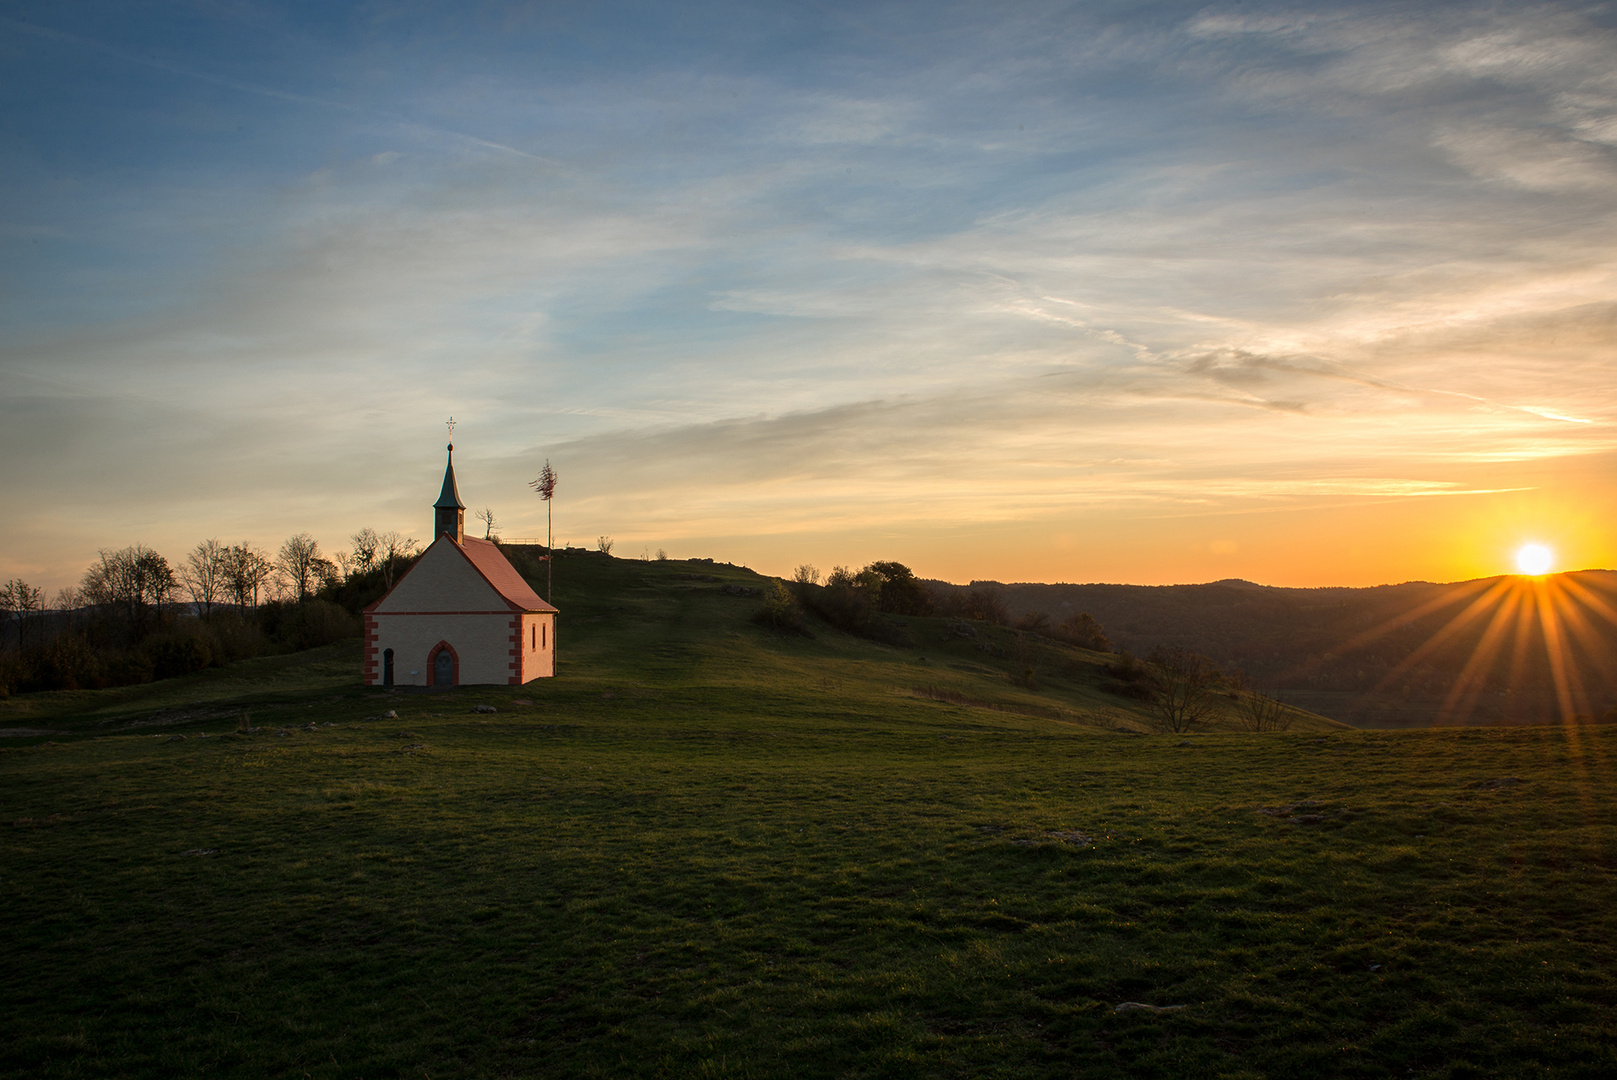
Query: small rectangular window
pixel 533 637
pixel 542 644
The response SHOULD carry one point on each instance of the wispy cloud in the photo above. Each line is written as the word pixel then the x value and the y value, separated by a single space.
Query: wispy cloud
pixel 843 274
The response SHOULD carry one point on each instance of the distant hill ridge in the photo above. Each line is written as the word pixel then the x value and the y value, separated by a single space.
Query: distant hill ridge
pixel 1386 655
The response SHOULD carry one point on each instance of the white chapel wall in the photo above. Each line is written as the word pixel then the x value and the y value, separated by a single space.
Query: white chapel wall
pixel 481 642
pixel 443 581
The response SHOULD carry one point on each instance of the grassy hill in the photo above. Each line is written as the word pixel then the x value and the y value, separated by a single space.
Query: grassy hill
pixel 706 850
pixel 636 626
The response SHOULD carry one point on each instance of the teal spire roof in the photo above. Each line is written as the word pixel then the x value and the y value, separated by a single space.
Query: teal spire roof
pixel 449 497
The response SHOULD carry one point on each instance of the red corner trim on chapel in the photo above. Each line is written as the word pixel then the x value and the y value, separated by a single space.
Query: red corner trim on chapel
pixel 515 678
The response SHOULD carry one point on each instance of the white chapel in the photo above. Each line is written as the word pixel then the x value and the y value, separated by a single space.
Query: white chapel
pixel 460 616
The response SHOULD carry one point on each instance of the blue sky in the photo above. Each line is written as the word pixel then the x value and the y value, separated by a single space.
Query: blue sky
pixel 1304 294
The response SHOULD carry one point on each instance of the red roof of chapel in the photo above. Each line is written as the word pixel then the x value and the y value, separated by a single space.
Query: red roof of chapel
pixel 493 565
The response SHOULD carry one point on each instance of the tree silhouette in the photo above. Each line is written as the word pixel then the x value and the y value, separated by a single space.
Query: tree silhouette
pixel 1181 689
pixel 1256 710
pixel 203 574
pixel 299 556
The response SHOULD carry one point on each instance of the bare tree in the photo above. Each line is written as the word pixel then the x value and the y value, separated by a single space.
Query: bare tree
pixel 807 574
pixel 159 577
pixel 132 579
pixel 296 563
pixel 69 599
pixel 1256 710
pixel 20 600
pixel 367 549
pixel 1182 684
pixel 603 544
pixel 327 573
pixel 392 548
pixel 203 574
pixel 246 571
pixel 545 487
pixel 486 516
pixel 8 607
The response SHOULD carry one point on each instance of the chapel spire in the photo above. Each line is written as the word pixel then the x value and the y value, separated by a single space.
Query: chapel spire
pixel 449 513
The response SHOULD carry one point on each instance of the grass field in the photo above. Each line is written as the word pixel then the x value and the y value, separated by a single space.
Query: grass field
pixel 707 851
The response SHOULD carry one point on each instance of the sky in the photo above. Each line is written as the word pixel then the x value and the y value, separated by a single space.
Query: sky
pixel 1135 292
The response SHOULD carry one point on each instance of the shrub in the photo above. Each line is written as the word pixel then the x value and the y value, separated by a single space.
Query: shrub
pixel 65 663
pixel 848 601
pixel 1130 678
pixel 980 603
pixel 1024 667
pixel 1084 631
pixel 315 623
pixel 781 612
pixel 1035 622
pixel 179 651
pixel 233 638
pixel 124 669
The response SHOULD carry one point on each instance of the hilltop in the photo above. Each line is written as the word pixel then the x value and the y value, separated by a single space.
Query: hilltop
pixel 642 625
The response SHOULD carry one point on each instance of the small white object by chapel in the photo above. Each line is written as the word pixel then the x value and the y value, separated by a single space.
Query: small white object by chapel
pixel 460 616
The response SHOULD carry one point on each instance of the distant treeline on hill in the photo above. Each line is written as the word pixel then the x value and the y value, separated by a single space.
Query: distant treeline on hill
pixel 856 601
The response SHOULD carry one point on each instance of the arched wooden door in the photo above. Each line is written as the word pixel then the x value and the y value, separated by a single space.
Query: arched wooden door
pixel 443 668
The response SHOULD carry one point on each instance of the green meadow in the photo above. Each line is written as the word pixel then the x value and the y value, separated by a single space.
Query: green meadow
pixel 709 850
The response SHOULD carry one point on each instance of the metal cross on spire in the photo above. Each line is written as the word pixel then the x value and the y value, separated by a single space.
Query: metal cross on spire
pixel 451 425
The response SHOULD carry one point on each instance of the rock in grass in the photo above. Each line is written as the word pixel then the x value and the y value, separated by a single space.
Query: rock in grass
pixel 484 709
pixel 1137 1006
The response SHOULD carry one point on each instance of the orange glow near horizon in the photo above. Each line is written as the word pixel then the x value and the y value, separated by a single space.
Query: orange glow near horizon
pixel 1561 610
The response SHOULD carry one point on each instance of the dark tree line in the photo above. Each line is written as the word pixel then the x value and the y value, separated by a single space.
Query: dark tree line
pixel 134 616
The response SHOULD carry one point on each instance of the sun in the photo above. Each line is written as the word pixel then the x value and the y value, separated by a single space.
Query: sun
pixel 1534 559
